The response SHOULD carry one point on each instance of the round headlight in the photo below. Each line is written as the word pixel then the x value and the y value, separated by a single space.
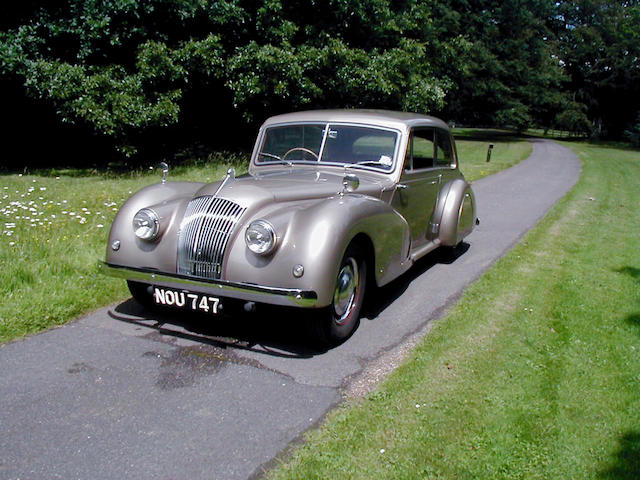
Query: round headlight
pixel 146 224
pixel 260 237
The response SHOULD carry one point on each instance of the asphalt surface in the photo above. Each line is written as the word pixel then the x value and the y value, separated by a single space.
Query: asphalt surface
pixel 129 393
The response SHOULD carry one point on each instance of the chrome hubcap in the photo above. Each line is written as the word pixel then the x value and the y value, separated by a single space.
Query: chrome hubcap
pixel 346 289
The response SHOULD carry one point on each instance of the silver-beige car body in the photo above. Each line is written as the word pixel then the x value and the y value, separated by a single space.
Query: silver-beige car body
pixel 317 203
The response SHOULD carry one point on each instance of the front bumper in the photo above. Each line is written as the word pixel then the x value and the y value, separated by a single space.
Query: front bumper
pixel 244 291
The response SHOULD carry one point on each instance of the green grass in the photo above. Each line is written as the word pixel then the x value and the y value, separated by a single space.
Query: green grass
pixel 54 227
pixel 535 373
pixel 472 146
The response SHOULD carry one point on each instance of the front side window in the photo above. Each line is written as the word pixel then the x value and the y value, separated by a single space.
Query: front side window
pixel 421 149
pixel 337 144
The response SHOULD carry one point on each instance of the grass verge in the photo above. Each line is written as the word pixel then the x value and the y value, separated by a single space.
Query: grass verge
pixel 54 226
pixel 535 373
pixel 472 146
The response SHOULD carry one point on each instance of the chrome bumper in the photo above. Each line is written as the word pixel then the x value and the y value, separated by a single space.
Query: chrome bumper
pixel 243 291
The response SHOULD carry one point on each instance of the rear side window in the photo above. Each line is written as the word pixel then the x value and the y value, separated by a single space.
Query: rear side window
pixel 444 150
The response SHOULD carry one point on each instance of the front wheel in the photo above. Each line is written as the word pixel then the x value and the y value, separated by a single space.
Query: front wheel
pixel 337 322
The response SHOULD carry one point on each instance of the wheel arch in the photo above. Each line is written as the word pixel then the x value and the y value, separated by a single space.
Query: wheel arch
pixel 364 242
pixel 455 212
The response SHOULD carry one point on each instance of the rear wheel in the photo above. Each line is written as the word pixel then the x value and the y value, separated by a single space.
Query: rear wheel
pixel 337 322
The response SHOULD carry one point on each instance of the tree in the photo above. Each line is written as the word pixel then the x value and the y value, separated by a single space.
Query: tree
pixel 511 76
pixel 143 73
pixel 124 68
pixel 599 45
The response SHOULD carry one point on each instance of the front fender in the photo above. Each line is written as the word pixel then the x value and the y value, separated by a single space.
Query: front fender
pixel 315 234
pixel 169 201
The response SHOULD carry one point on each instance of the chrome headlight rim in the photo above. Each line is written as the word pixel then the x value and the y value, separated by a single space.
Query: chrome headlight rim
pixel 261 248
pixel 150 231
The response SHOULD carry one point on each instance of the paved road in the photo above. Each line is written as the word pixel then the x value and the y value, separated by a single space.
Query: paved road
pixel 124 393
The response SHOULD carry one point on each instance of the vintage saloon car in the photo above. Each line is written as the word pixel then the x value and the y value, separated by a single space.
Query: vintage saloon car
pixel 333 202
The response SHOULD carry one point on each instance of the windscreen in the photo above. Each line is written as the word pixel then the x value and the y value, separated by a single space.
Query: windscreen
pixel 329 143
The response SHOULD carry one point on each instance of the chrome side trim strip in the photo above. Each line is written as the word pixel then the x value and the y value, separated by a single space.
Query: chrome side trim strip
pixel 243 291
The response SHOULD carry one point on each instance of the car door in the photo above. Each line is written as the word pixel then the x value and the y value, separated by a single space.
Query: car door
pixel 416 194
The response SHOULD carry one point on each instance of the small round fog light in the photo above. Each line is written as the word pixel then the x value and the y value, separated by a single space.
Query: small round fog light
pixel 298 271
pixel 115 246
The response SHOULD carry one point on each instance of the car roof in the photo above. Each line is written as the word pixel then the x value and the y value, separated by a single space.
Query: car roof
pixel 381 118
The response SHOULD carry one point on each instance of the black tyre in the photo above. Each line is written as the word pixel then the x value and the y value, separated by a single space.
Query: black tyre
pixel 141 292
pixel 338 321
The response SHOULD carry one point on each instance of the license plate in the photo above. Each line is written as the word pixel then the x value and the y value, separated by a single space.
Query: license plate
pixel 198 302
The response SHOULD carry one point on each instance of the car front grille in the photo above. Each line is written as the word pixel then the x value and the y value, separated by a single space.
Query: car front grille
pixel 204 233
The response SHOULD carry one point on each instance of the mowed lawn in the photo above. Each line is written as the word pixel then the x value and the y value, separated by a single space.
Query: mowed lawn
pixel 534 374
pixel 54 227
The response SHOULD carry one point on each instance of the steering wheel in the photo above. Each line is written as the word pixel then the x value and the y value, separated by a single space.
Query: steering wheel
pixel 302 149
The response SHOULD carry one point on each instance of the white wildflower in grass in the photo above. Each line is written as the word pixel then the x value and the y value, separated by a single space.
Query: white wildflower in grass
pixel 11 244
pixel 99 225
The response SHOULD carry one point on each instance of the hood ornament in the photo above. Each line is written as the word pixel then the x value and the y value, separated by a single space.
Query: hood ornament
pixel 231 176
pixel 165 171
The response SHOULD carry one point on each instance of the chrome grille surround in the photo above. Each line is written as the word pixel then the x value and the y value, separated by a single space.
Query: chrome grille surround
pixel 204 233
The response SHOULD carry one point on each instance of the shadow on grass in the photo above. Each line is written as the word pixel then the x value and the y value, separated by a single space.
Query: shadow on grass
pixel 626 465
pixel 239 159
pixel 634 320
pixel 270 330
pixel 631 271
pixel 488 135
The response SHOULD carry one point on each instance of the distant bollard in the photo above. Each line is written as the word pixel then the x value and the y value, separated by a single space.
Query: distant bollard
pixel 489 152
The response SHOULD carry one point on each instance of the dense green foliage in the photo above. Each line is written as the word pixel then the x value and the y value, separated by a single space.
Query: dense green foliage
pixel 134 71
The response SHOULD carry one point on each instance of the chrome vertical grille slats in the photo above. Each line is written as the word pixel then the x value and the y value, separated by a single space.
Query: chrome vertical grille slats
pixel 204 233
